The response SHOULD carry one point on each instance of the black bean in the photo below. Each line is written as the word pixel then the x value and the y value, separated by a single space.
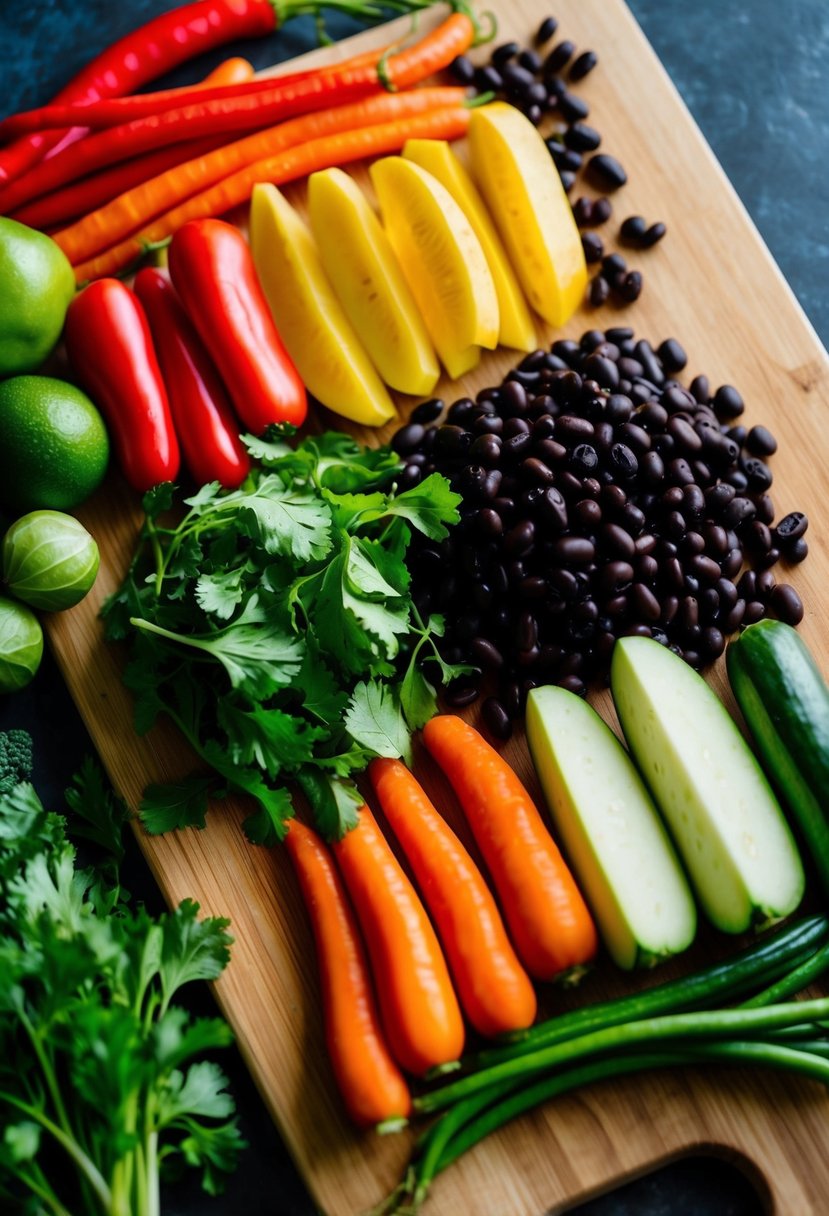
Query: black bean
pixel 693 544
pixel 520 539
pixel 486 450
pixel 617 541
pixel 790 528
pixel 488 424
pixel 461 693
pixel 568 179
pixel 606 172
pixel 731 563
pixel 701 389
pixel 550 451
pixel 758 537
pixel 747 585
pixel 572 108
pixel 546 30
pixel 739 511
pixel 716 541
pixel 496 718
pixel 764 583
pixel 486 653
pixel 408 438
pixel 488 79
pixel 705 567
pixel 427 411
pixel 530 60
pixel 593 247
pixel 463 69
pixel 687 438
pixel 727 402
pixel 755 611
pixel 602 210
pixel 764 561
pixel 582 138
pixel 672 355
pixel 651 365
pixel 599 289
pixel 517 80
pixel 577 550
pixel 534 469
pixel 760 441
pixel 506 51
pixel 516 447
pixel 632 230
pixel 758 474
pixel 489 522
pixel 786 604
pixel 560 55
pixel 712 642
pixel 727 592
pixel 629 288
pixel 654 233
pixel 583 64
pixel 797 550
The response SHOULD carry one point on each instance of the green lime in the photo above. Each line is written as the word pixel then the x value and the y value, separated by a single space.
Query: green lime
pixel 54 447
pixel 36 284
pixel 49 560
pixel 21 645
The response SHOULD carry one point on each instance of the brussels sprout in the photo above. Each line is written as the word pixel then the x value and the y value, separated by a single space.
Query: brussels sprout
pixel 49 560
pixel 21 645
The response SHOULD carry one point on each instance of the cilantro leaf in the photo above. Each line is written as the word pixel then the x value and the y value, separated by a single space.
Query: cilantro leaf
pixel 429 506
pixel 268 737
pixel 375 720
pixel 418 698
pixel 335 803
pixel 290 523
pixel 192 949
pixel 220 592
pixel 99 816
pixel 176 804
pixel 158 500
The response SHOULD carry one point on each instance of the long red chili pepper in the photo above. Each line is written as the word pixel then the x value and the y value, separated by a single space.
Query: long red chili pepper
pixel 84 196
pixel 213 272
pixel 494 989
pixel 110 348
pixel 205 424
pixel 113 111
pixel 420 1011
pixel 143 55
pixel 243 114
pixel 370 1082
pixel 548 919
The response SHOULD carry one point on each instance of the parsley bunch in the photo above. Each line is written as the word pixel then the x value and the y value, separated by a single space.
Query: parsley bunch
pixel 274 625
pixel 98 1091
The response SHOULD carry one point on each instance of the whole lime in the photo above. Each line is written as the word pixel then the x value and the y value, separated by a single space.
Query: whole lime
pixel 54 447
pixel 36 284
pixel 49 560
pixel 21 645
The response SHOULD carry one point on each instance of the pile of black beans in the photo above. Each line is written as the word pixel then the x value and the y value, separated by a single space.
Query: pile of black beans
pixel 601 498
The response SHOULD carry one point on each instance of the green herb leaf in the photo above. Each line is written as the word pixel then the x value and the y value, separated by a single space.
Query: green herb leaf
pixel 220 593
pixel 375 720
pixel 176 804
pixel 286 522
pixel 98 816
pixel 335 803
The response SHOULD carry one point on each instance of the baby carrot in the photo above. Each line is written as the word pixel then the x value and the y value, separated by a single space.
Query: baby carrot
pixel 287 166
pixel 548 920
pixel 418 1005
pixel 130 210
pixel 371 1084
pixel 494 989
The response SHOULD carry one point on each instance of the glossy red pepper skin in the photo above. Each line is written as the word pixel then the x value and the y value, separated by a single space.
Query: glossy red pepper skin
pixel 204 421
pixel 213 272
pixel 142 55
pixel 109 345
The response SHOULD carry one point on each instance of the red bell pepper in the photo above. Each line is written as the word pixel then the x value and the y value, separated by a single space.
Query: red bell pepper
pixel 109 345
pixel 204 421
pixel 213 272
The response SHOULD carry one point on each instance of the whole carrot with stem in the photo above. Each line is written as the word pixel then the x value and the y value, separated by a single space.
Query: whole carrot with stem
pixel 548 919
pixel 371 1084
pixel 136 207
pixel 494 989
pixel 81 197
pixel 418 1005
pixel 240 115
pixel 287 166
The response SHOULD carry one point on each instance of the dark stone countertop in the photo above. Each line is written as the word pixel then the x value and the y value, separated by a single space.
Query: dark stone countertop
pixel 753 74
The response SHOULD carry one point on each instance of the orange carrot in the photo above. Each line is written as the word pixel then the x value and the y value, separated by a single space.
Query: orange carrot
pixel 494 989
pixel 548 920
pixel 433 53
pixel 418 1005
pixel 136 207
pixel 371 1084
pixel 294 163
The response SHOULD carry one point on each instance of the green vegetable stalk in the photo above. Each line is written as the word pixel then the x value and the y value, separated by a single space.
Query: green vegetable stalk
pixel 101 1090
pixel 274 625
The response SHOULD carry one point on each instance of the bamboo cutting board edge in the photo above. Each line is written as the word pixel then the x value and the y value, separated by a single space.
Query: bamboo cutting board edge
pixel 582 1143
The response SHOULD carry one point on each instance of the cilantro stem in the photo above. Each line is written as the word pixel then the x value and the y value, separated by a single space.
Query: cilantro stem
pixel 40 1187
pixel 87 1168
pixel 48 1073
pixel 182 638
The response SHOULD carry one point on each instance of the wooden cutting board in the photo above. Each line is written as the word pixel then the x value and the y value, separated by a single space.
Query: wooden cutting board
pixel 713 285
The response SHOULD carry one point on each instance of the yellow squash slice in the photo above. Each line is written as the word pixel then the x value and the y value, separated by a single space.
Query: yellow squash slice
pixel 369 283
pixel 316 332
pixel 525 197
pixel 441 259
pixel 515 327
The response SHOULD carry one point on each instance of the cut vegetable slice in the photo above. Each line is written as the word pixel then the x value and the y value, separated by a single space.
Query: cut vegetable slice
pixel 614 838
pixel 369 283
pixel 328 354
pixel 441 259
pixel 725 820
pixel 525 197
pixel 515 325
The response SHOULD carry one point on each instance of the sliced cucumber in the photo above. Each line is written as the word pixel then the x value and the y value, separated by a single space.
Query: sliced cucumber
pixel 619 849
pixel 725 820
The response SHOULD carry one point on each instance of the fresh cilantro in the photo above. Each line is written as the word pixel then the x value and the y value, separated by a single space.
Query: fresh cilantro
pixel 274 625
pixel 101 1086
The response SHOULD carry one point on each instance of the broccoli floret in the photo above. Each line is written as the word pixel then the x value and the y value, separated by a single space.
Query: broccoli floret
pixel 15 759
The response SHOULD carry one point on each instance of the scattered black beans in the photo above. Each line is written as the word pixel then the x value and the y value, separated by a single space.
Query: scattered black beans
pixel 654 233
pixel 593 247
pixel 559 56
pixel 606 172
pixel 591 510
pixel 598 291
pixel 582 138
pixel 572 108
pixel 546 30
pixel 463 69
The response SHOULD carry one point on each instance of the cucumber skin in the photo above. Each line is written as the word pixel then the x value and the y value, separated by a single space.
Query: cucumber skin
pixel 785 702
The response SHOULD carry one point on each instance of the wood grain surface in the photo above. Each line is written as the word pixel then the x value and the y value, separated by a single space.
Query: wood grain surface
pixel 712 284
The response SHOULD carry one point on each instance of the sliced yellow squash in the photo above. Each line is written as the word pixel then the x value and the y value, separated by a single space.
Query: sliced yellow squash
pixel 525 197
pixel 515 324
pixel 369 283
pixel 316 332
pixel 441 259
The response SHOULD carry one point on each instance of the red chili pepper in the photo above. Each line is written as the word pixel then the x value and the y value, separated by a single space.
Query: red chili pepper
pixel 205 424
pixel 146 53
pixel 109 345
pixel 213 272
